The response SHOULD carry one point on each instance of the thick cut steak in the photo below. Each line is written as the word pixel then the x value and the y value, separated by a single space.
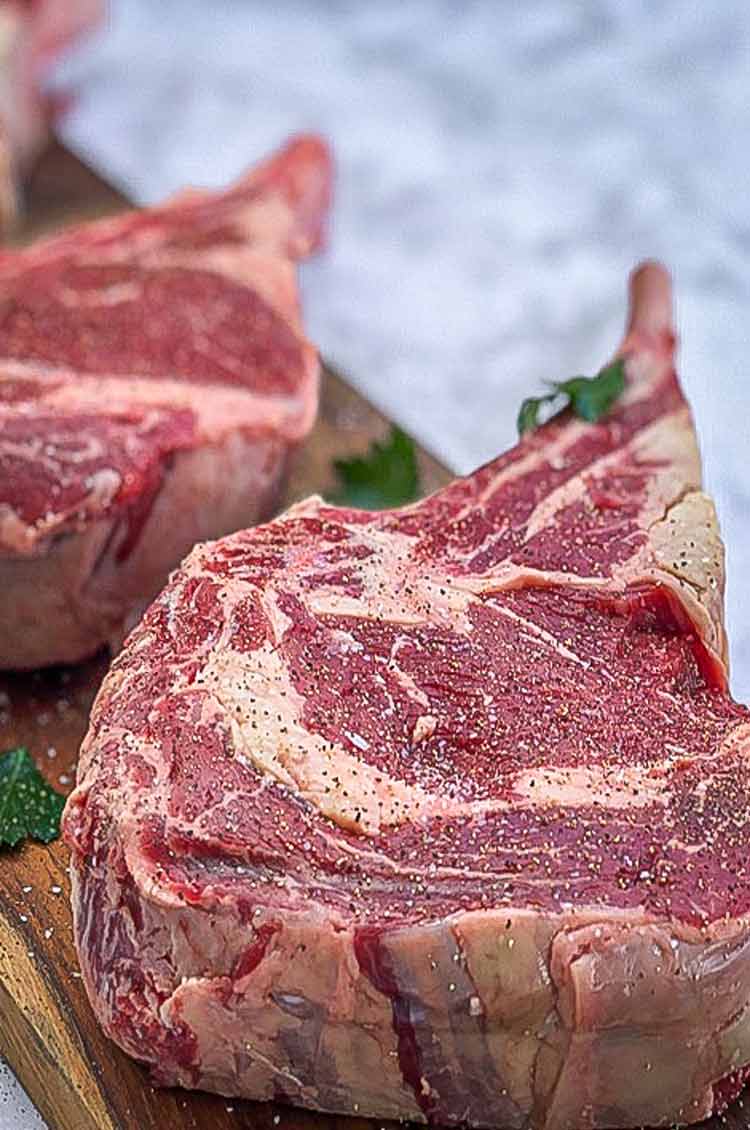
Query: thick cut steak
pixel 440 813
pixel 153 379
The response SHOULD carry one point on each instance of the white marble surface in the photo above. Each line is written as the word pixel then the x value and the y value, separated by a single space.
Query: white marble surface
pixel 501 167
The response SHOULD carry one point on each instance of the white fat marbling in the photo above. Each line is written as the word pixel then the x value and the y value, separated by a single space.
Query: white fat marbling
pixel 501 167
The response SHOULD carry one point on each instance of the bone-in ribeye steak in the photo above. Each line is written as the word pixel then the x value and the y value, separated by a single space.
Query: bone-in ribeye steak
pixel 153 378
pixel 440 812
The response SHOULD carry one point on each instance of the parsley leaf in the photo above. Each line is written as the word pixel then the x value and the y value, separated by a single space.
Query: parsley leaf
pixel 528 414
pixel 592 397
pixel 387 476
pixel 587 397
pixel 28 805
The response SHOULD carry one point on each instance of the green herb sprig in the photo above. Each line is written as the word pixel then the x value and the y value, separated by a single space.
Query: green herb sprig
pixel 29 807
pixel 387 476
pixel 588 397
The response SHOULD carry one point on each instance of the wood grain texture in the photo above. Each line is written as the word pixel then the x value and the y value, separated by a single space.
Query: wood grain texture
pixel 77 1078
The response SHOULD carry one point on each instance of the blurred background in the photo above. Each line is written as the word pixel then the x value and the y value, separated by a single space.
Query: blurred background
pixel 502 166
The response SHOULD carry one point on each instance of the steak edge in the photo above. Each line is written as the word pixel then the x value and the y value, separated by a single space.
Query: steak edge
pixel 439 813
pixel 154 378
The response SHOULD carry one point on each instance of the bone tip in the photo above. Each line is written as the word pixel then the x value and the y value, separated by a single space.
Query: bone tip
pixel 651 299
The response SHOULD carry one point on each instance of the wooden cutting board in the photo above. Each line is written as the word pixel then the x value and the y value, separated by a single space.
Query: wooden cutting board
pixel 77 1078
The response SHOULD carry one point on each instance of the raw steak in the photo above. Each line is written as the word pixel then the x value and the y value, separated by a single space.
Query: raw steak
pixel 440 813
pixel 32 34
pixel 153 379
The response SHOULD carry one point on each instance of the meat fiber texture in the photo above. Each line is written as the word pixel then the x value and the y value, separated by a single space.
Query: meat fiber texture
pixel 32 34
pixel 440 813
pixel 154 378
